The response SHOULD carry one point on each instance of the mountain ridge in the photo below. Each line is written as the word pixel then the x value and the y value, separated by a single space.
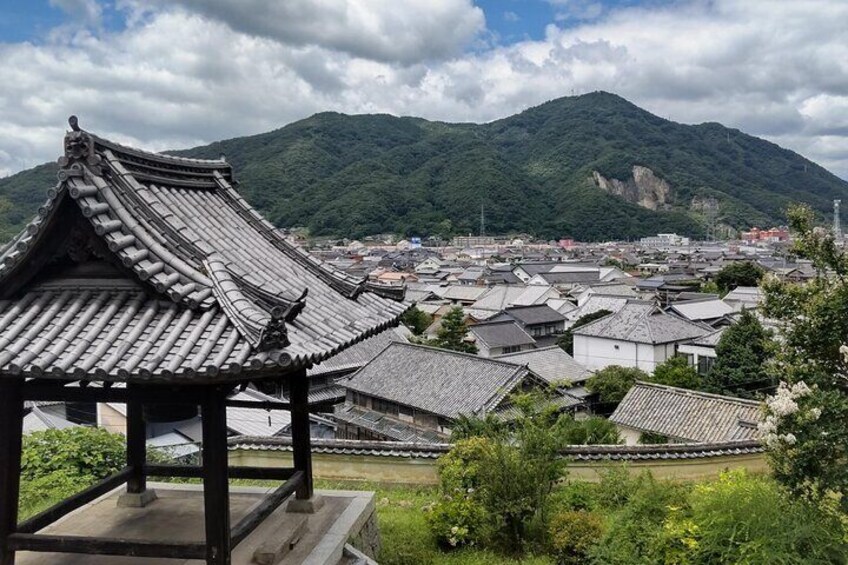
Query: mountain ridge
pixel 535 172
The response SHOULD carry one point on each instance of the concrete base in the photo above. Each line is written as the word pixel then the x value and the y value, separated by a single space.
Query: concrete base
pixel 136 499
pixel 282 539
pixel 307 506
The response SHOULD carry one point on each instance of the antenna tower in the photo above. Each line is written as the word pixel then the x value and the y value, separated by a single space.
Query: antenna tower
pixel 837 225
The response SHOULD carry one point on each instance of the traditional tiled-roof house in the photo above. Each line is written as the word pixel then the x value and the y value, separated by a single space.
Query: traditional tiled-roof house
pixel 684 416
pixel 415 393
pixel 152 270
pixel 638 335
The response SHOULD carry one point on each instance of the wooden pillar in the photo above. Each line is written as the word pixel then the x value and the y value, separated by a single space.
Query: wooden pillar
pixel 301 444
pixel 216 491
pixel 136 443
pixel 11 432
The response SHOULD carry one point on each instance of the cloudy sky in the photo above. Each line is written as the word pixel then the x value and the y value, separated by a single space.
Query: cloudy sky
pixel 173 73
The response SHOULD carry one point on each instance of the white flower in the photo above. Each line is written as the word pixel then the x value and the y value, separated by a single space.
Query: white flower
pixel 790 439
pixel 817 412
pixel 843 350
pixel 454 530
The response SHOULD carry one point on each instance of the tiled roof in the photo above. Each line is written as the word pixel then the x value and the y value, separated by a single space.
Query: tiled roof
pixel 407 450
pixel 710 339
pixel 161 271
pixel 643 322
pixel 438 381
pixel 379 423
pixel 358 355
pixel 532 315
pixel 551 363
pixel 702 309
pixel 687 415
pixel 501 334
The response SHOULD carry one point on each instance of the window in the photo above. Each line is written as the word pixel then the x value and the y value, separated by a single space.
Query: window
pixel 512 349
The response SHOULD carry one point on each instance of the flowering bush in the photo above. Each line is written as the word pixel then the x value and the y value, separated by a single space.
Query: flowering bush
pixel 804 421
pixel 458 519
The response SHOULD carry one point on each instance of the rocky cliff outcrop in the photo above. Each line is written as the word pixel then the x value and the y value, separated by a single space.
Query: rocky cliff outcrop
pixel 643 188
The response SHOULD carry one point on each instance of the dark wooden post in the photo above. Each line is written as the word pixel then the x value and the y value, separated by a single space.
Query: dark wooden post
pixel 136 443
pixel 216 491
pixel 11 432
pixel 301 444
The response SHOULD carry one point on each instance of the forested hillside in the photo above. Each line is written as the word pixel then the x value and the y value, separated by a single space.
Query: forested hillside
pixel 534 172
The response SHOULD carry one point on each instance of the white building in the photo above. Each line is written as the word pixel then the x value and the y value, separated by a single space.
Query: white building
pixel 638 335
pixel 663 240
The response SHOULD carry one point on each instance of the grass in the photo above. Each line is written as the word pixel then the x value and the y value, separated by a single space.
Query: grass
pixel 405 534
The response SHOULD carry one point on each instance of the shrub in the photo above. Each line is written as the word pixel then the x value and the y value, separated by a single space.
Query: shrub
pixel 573 534
pixel 677 372
pixel 458 519
pixel 78 452
pixel 749 519
pixel 634 531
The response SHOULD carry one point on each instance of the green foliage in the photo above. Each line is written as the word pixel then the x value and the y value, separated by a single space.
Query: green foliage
pixel 677 372
pixel 465 427
pixel 451 334
pixel 638 508
pixel 509 475
pixel 573 534
pixel 78 451
pixel 652 438
pixel 357 175
pixel 739 273
pixel 742 355
pixel 612 383
pixel 566 340
pixel 58 463
pixel 416 320
pixel 593 430
pixel 748 519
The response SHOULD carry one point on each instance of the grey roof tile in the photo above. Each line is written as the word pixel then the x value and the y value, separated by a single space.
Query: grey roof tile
pixel 687 415
pixel 438 381
pixel 643 322
pixel 215 289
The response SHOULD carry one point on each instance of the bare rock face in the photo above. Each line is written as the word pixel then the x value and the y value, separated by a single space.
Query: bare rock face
pixel 643 188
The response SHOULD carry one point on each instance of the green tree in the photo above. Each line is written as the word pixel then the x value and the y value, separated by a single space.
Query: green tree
pixel 509 474
pixel 593 430
pixel 416 320
pixel 677 372
pixel 451 334
pixel 566 340
pixel 742 354
pixel 739 273
pixel 613 382
pixel 804 425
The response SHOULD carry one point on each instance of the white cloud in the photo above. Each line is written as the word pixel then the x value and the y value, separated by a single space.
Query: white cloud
pixel 405 31
pixel 177 77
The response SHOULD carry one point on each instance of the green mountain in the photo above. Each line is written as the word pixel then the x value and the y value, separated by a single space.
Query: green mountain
pixel 592 167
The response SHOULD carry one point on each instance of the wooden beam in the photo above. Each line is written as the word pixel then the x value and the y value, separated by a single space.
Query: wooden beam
pixel 11 433
pixel 216 493
pixel 35 390
pixel 263 404
pixel 301 443
pixel 136 443
pixel 107 546
pixel 265 508
pixel 196 472
pixel 47 517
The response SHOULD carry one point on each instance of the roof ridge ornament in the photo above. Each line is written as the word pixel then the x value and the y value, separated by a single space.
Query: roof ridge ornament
pixel 79 152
